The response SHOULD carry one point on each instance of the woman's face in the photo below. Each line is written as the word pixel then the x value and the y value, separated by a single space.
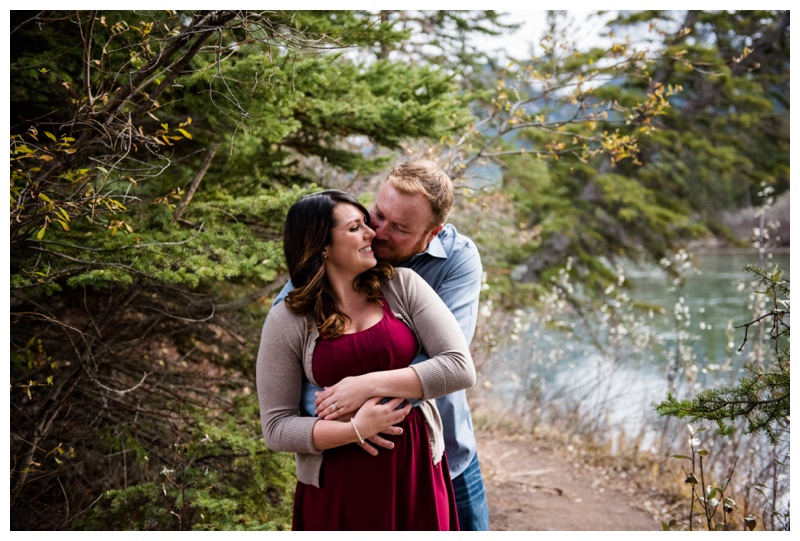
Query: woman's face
pixel 350 251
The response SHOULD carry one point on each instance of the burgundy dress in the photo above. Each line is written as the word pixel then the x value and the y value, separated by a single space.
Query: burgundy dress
pixel 400 489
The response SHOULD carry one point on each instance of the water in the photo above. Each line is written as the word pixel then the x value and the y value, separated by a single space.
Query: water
pixel 688 343
pixel 607 388
pixel 716 294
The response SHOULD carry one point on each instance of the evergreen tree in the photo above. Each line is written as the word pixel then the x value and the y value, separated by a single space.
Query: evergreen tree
pixel 625 152
pixel 153 158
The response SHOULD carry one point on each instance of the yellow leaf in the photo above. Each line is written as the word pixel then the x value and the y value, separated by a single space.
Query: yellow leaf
pixel 40 234
pixel 51 136
pixel 22 149
pixel 43 197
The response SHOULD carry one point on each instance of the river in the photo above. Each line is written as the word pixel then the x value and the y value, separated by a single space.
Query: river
pixel 688 342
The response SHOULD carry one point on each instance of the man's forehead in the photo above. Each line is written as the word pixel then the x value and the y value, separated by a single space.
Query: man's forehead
pixel 401 208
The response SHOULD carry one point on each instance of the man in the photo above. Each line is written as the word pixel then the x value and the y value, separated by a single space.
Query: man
pixel 409 221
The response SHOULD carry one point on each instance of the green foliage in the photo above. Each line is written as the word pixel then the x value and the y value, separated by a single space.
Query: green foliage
pixel 154 155
pixel 731 67
pixel 442 38
pixel 80 217
pixel 220 477
pixel 147 247
pixel 626 151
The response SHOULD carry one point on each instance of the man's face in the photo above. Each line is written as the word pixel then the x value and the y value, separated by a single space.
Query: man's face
pixel 402 224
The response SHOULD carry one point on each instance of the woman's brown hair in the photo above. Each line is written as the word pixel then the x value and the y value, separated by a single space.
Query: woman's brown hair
pixel 306 233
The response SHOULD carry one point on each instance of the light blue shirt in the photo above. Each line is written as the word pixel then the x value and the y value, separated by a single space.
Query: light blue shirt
pixel 451 265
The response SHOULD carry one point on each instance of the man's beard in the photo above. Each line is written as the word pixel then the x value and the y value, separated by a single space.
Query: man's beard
pixel 384 253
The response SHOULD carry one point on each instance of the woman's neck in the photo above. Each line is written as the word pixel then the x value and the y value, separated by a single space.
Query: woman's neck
pixel 341 289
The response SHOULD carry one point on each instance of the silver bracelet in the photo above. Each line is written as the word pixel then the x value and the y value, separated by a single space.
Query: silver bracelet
pixel 358 434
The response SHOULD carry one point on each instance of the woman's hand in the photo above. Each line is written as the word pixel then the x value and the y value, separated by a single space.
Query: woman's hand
pixel 376 440
pixel 374 418
pixel 346 396
pixel 371 419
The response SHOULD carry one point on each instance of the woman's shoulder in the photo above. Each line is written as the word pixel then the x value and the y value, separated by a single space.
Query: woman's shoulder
pixel 407 284
pixel 404 275
pixel 402 280
pixel 280 316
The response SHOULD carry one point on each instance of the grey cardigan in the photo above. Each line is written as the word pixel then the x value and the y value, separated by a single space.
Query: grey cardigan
pixel 286 352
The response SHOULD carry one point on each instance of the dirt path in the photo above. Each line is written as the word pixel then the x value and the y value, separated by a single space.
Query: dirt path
pixel 531 485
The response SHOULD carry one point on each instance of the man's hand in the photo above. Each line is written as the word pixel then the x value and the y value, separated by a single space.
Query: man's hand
pixel 345 397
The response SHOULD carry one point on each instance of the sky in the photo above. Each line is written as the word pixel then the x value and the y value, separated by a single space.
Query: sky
pixel 517 44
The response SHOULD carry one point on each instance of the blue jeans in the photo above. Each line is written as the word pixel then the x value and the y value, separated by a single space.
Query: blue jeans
pixel 473 510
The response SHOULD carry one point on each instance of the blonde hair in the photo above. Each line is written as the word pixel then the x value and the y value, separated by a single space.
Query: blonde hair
pixel 427 178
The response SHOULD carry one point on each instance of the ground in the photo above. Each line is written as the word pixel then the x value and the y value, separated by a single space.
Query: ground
pixel 536 484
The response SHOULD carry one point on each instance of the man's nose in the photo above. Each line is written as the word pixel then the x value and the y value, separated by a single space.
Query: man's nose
pixel 375 226
pixel 379 233
pixel 373 223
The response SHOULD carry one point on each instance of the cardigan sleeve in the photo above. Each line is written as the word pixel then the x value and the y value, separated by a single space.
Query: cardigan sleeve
pixel 279 379
pixel 450 367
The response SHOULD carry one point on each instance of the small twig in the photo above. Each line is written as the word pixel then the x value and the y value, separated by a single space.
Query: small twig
pixel 772 313
pixel 196 181
pixel 109 389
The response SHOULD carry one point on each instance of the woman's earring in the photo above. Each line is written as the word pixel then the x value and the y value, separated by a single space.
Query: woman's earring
pixel 324 256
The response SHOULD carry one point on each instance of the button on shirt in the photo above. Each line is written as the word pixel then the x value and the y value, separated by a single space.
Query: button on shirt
pixel 451 265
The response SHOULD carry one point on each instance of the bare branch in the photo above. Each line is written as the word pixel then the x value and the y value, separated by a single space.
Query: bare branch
pixel 196 181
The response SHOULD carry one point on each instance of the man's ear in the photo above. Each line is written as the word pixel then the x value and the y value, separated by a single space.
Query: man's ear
pixel 433 232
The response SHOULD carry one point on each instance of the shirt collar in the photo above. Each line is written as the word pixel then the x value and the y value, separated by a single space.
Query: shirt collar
pixel 435 248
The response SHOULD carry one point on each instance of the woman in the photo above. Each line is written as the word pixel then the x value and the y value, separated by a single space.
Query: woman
pixel 350 317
